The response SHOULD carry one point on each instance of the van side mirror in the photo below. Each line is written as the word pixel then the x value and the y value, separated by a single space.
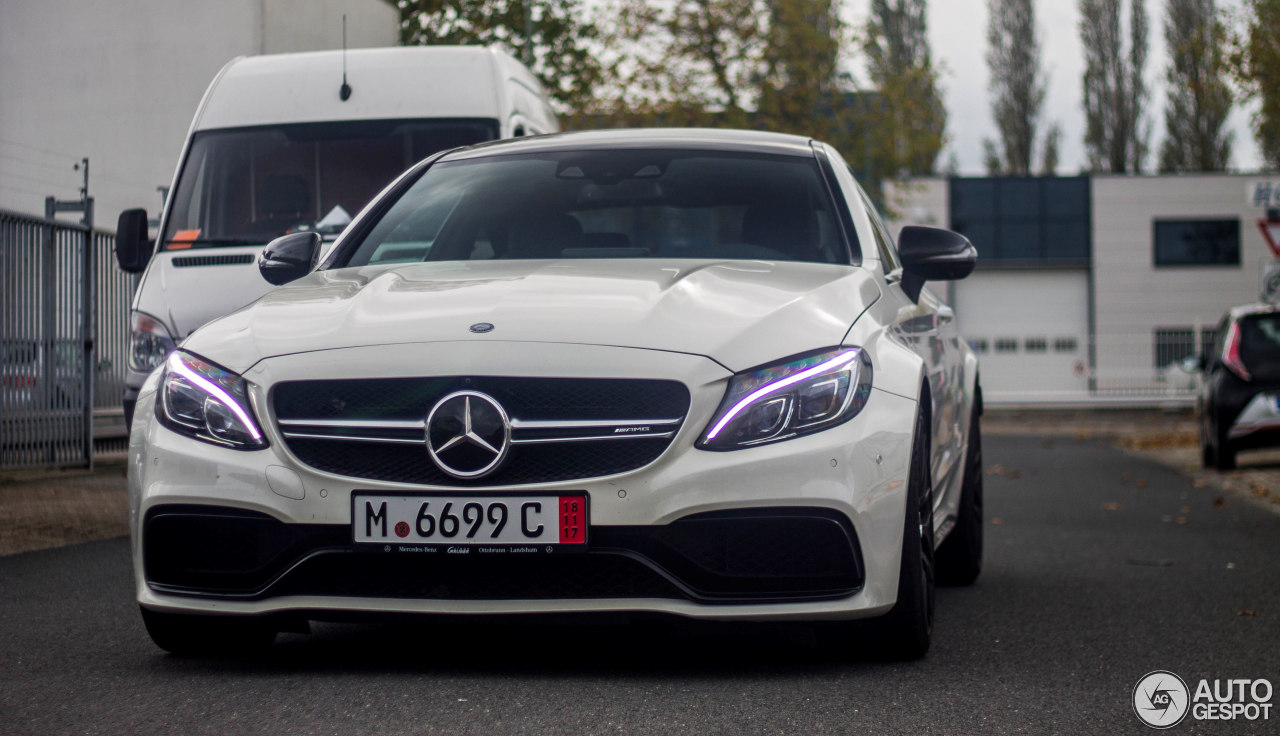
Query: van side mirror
pixel 933 254
pixel 289 257
pixel 133 247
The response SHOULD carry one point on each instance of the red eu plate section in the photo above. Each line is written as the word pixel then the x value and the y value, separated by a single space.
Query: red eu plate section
pixel 573 520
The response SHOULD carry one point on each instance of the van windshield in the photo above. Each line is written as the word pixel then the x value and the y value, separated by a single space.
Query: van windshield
pixel 247 186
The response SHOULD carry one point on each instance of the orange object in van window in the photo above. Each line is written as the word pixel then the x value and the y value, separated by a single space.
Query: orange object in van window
pixel 182 239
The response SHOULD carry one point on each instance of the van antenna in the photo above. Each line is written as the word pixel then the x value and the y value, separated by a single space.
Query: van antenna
pixel 344 91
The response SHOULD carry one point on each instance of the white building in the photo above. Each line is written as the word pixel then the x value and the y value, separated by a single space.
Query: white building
pixel 1095 288
pixel 118 82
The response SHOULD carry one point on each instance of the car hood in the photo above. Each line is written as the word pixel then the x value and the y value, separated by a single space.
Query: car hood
pixel 738 313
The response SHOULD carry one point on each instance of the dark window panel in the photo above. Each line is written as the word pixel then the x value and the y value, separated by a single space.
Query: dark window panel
pixel 1066 198
pixel 973 198
pixel 1197 242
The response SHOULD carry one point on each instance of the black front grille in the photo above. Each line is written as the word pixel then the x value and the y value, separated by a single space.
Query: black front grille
pixel 524 399
pixel 721 557
pixel 540 463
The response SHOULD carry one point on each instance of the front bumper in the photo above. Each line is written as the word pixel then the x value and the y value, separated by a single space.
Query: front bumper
pixel 808 528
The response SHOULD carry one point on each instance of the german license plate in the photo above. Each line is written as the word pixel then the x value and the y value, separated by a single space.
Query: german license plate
pixel 465 523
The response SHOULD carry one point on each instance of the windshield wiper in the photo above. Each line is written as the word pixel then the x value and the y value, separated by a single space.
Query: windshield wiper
pixel 217 241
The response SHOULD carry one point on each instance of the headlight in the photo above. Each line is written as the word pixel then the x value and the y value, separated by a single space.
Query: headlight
pixel 149 342
pixel 203 401
pixel 790 399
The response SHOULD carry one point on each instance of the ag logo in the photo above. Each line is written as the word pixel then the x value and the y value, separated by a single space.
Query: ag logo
pixel 1161 699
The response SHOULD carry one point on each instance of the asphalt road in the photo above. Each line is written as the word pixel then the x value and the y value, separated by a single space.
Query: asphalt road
pixel 1100 568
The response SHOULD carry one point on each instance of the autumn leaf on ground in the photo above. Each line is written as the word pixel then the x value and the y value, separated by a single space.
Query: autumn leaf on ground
pixel 1113 506
pixel 1182 520
pixel 1219 502
pixel 1246 612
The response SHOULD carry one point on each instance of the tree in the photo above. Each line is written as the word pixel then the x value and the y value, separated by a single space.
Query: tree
pixel 801 91
pixel 692 62
pixel 1018 85
pixel 1049 154
pixel 1199 100
pixel 1256 62
pixel 912 119
pixel 1117 134
pixel 551 35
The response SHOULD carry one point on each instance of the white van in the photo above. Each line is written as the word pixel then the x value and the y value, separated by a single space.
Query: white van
pixel 294 142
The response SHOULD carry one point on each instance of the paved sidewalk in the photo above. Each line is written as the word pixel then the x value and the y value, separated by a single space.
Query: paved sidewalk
pixel 50 508
pixel 1168 437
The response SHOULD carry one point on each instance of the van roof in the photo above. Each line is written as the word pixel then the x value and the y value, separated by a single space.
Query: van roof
pixel 386 83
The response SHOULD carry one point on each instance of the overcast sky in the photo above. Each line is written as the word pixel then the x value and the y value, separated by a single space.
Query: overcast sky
pixel 957 33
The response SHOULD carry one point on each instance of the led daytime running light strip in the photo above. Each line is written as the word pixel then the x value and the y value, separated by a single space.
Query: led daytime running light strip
pixel 836 362
pixel 178 366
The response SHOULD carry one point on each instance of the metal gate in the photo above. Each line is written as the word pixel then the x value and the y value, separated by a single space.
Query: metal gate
pixel 48 371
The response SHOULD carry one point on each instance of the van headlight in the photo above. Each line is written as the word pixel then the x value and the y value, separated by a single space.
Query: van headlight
pixel 149 342
pixel 789 399
pixel 211 404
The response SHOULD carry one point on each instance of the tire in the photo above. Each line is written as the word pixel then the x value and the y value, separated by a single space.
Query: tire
pixel 904 632
pixel 1208 449
pixel 1226 459
pixel 190 635
pixel 959 557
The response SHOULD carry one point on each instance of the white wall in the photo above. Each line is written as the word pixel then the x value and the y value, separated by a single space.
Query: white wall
pixel 923 201
pixel 1133 296
pixel 119 82
pixel 1001 312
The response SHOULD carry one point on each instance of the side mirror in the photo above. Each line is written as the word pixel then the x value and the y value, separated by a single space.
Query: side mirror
pixel 289 257
pixel 933 254
pixel 133 248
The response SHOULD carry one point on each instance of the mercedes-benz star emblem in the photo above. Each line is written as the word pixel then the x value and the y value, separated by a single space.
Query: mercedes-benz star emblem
pixel 468 434
pixel 482 327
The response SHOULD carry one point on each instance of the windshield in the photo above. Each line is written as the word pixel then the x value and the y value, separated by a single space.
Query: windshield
pixel 248 186
pixel 1260 342
pixel 611 204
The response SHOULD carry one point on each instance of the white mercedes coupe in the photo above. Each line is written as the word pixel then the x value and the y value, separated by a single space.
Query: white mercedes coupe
pixel 680 372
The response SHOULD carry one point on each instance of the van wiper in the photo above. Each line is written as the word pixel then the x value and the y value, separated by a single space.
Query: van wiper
pixel 180 244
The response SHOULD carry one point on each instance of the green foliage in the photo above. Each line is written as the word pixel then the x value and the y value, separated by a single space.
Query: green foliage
pixel 1255 59
pixel 553 38
pixel 910 120
pixel 1199 100
pixel 1117 135
pixel 1017 83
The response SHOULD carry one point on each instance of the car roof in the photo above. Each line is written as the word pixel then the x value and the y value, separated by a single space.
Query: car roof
pixel 1249 310
pixel 716 139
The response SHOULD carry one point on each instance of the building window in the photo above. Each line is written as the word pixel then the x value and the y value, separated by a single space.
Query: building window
pixel 978 344
pixel 1006 345
pixel 1064 345
pixel 1035 345
pixel 1197 242
pixel 1017 221
pixel 1172 344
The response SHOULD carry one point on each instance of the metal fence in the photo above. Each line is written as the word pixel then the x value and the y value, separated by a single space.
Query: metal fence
pixel 59 376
